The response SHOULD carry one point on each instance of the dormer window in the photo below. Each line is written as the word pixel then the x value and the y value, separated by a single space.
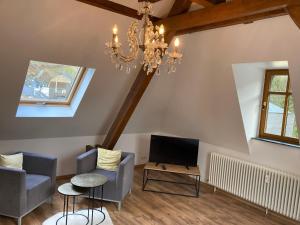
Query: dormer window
pixel 278 118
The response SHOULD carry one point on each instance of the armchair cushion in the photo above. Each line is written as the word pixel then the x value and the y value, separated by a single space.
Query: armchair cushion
pixel 111 175
pixel 12 161
pixel 33 181
pixel 38 188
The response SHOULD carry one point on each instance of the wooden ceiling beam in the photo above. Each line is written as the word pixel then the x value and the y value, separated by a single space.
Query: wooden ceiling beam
pixel 152 1
pixel 116 8
pixel 294 11
pixel 138 88
pixel 227 14
pixel 241 20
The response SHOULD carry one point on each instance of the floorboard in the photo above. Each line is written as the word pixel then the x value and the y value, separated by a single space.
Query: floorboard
pixel 149 208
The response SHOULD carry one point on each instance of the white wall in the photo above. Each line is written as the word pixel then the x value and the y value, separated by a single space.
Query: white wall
pixel 66 149
pixel 249 85
pixel 203 102
pixel 276 156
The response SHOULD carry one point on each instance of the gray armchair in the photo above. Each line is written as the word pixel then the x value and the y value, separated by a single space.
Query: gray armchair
pixel 21 191
pixel 119 182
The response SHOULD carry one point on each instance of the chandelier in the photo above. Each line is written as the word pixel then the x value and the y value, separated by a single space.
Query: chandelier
pixel 149 40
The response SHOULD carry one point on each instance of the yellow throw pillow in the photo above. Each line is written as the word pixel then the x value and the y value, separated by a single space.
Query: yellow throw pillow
pixel 108 159
pixel 12 161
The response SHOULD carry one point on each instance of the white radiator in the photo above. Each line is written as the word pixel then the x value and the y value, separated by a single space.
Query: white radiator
pixel 272 189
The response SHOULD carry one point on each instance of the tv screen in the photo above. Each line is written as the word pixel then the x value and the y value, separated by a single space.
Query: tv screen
pixel 174 150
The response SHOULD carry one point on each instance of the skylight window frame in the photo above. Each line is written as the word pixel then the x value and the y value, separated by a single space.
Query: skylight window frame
pixel 79 77
pixel 265 104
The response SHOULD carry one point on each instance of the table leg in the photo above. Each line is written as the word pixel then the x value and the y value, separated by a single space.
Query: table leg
pixel 145 178
pixel 197 185
pixel 89 203
pixel 64 205
pixel 101 197
pixel 67 210
pixel 93 198
pixel 74 204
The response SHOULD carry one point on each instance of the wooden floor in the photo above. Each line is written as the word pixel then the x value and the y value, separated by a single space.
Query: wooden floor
pixel 147 208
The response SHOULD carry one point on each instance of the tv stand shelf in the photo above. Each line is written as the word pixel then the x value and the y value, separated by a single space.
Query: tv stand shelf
pixel 176 169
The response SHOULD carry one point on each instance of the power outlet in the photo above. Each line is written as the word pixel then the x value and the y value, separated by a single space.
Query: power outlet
pixel 144 158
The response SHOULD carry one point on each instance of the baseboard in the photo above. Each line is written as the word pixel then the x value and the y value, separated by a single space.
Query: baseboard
pixel 65 177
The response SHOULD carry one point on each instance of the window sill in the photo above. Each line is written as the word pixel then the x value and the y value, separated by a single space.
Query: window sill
pixel 277 142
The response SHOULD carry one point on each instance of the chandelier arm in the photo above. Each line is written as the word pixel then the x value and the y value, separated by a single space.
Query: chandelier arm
pixel 133 45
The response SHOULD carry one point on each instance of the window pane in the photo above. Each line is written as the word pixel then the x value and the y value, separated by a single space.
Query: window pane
pixel 291 125
pixel 48 82
pixel 279 83
pixel 275 114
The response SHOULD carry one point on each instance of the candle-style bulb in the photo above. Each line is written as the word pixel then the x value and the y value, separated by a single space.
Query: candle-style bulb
pixel 115 29
pixel 116 39
pixel 161 29
pixel 176 42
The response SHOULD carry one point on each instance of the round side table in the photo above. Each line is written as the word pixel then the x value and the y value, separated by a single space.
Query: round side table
pixel 91 181
pixel 67 190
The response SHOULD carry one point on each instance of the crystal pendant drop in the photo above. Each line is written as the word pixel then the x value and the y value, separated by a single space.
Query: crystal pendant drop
pixel 128 69
pixel 158 71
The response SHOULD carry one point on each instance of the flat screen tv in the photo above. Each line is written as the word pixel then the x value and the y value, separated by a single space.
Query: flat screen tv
pixel 174 150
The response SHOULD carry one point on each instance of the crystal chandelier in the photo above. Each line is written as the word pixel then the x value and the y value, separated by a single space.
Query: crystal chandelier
pixel 149 39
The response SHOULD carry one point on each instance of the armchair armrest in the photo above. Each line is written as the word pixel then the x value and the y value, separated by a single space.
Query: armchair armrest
pixel 41 165
pixel 87 161
pixel 12 191
pixel 125 173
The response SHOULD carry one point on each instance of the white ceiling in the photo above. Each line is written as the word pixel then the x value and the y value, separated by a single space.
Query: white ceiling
pixel 200 100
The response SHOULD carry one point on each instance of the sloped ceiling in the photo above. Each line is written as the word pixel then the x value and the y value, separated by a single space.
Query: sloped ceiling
pixel 66 32
pixel 198 101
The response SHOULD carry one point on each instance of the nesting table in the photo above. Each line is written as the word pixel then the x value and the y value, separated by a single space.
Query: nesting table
pixel 81 184
pixel 91 181
pixel 68 190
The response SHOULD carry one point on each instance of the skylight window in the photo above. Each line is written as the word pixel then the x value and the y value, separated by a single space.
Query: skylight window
pixel 53 90
pixel 49 83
